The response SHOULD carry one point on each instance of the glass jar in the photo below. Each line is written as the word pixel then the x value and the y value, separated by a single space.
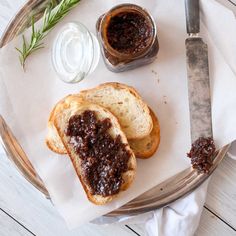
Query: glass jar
pixel 75 52
pixel 128 37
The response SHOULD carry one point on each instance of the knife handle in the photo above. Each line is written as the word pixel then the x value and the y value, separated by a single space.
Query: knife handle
pixel 192 16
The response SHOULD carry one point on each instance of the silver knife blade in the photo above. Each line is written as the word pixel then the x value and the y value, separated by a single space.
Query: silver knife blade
pixel 198 88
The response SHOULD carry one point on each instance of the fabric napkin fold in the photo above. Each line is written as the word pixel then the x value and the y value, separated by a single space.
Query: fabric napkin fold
pixel 179 218
pixel 26 108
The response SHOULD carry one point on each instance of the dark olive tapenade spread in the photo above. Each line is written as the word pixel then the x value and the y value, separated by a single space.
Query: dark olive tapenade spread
pixel 129 32
pixel 201 154
pixel 103 157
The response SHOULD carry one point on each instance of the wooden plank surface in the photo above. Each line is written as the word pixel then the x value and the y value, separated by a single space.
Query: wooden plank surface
pixel 8 227
pixel 221 198
pixel 210 225
pixel 139 229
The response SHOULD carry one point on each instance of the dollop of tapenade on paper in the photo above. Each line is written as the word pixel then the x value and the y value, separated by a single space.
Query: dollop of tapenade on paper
pixel 201 154
pixel 104 158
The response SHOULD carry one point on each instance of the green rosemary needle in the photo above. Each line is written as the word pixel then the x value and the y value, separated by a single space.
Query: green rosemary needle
pixel 52 15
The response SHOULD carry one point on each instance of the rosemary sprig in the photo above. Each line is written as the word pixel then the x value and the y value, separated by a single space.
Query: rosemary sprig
pixel 52 15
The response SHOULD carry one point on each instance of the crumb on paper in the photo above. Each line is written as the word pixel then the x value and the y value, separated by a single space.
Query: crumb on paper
pixel 156 75
pixel 164 98
pixel 154 72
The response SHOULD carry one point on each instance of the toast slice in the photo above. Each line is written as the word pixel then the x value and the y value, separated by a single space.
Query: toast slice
pixel 61 122
pixel 126 104
pixel 147 146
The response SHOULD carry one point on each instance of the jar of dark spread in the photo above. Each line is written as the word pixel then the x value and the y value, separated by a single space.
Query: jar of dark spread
pixel 128 37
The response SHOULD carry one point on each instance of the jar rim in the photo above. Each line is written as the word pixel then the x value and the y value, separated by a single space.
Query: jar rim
pixel 57 48
pixel 104 22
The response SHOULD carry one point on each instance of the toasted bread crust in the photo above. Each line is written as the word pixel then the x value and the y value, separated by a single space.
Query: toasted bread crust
pixel 60 122
pixel 53 147
pixel 146 147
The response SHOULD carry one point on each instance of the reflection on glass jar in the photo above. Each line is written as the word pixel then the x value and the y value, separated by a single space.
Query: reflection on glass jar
pixel 75 52
pixel 128 37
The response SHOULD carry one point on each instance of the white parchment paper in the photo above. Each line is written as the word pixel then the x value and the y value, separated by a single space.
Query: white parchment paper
pixel 26 99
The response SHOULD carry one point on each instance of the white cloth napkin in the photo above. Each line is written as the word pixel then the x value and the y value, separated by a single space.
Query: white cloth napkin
pixel 179 218
pixel 28 121
pixel 182 217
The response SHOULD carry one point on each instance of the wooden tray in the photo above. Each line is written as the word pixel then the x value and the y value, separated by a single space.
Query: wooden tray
pixel 161 195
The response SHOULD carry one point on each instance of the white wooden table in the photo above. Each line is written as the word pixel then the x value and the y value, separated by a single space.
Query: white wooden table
pixel 24 211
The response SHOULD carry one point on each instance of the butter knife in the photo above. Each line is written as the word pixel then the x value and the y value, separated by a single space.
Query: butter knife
pixel 198 75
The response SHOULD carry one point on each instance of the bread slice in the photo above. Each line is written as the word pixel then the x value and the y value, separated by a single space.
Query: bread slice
pixel 122 100
pixel 61 122
pixel 126 104
pixel 147 146
pixel 53 140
